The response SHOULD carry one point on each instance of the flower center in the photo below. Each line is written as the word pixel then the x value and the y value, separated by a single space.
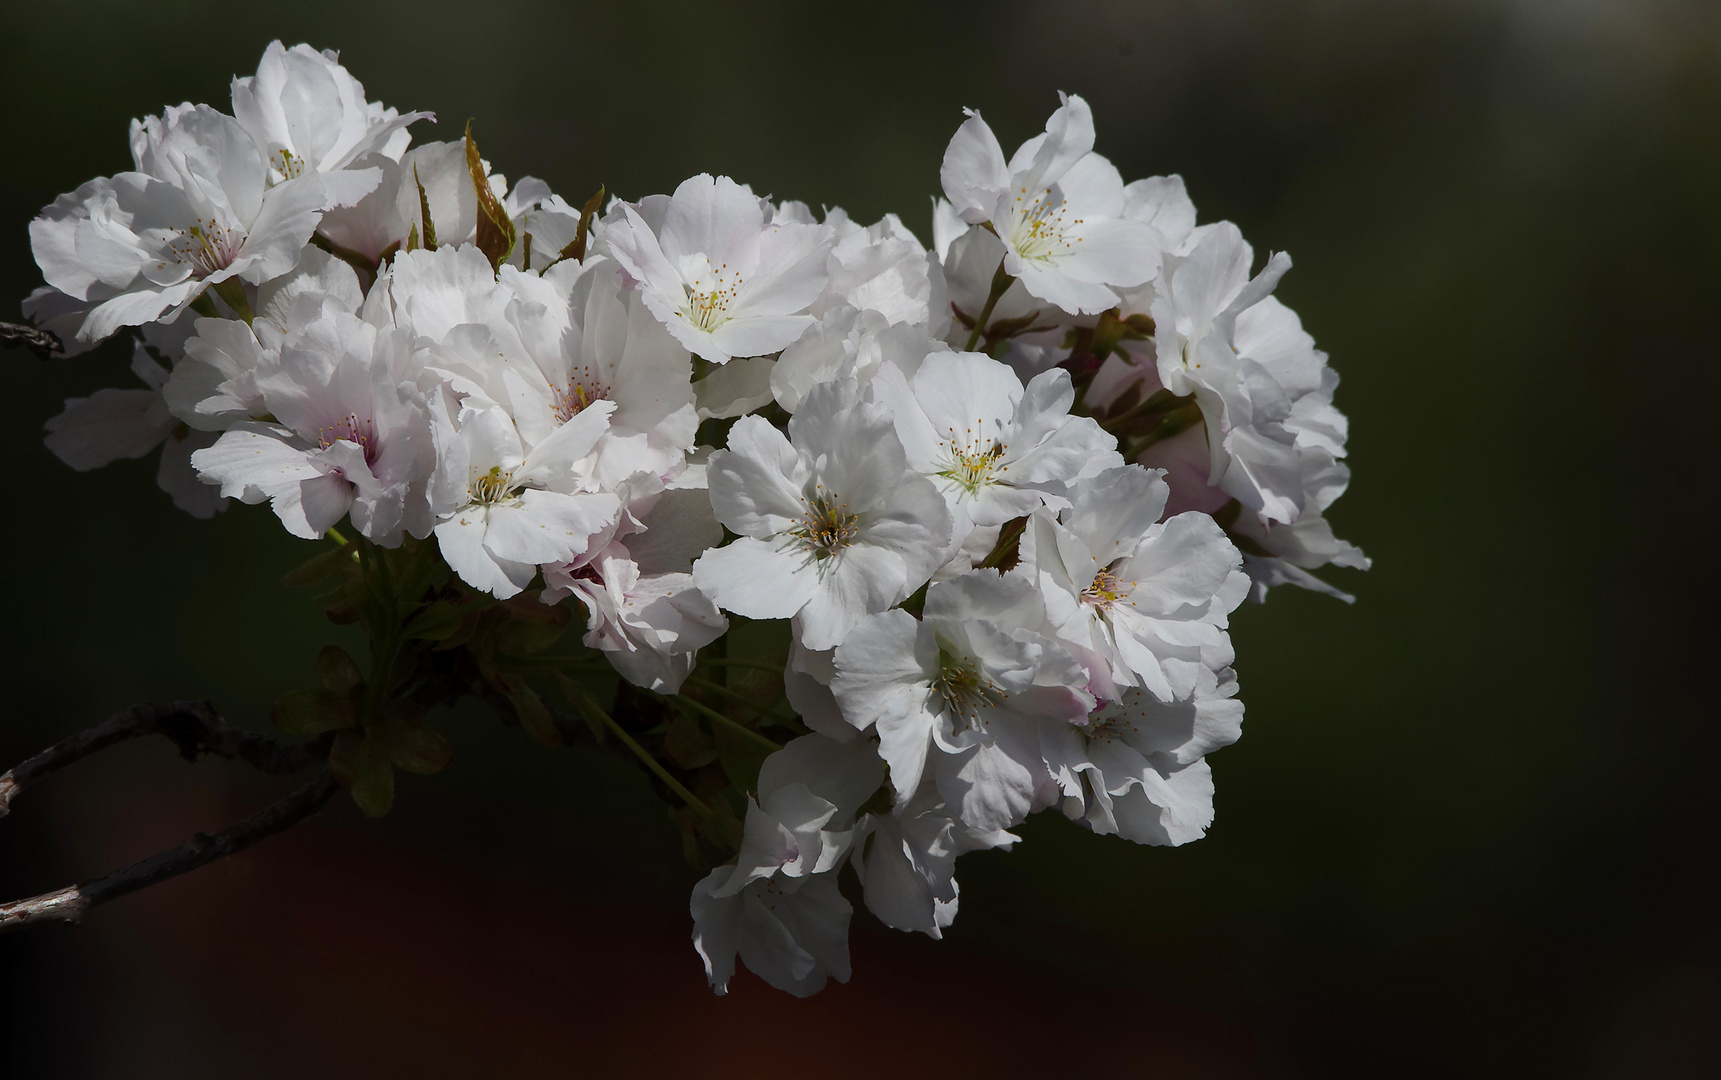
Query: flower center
pixel 207 246
pixel 827 527
pixel 973 462
pixel 964 689
pixel 353 430
pixel 572 399
pixel 288 164
pixel 1109 724
pixel 1040 226
pixel 709 296
pixel 1107 589
pixel 491 487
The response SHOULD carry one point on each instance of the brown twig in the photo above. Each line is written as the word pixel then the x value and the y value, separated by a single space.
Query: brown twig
pixel 70 903
pixel 44 343
pixel 194 726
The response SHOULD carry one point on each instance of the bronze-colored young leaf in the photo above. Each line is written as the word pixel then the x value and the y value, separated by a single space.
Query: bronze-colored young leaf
pixel 495 236
pixel 427 238
pixel 576 249
pixel 338 671
pixel 418 751
pixel 1006 552
pixel 687 745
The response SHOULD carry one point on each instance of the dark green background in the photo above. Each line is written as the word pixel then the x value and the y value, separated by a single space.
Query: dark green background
pixel 1465 831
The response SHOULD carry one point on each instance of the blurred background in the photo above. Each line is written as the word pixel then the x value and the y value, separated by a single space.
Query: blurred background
pixel 1466 828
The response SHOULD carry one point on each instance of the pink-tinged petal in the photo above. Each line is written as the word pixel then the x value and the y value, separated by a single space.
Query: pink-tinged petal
pixel 1093 189
pixel 461 541
pixel 1042 161
pixel 547 526
pixel 745 336
pixel 283 227
pixel 973 173
pixel 254 461
pixel 884 667
pixel 791 273
pixel 757 578
pixel 1167 808
pixel 858 581
pixel 756 483
pixel 1048 282
pixel 714 217
pixel 107 426
pixel 311 507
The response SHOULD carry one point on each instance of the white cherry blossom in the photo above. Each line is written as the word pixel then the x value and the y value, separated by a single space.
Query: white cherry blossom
pixel 503 507
pixel 347 437
pixel 308 114
pixel 995 449
pixel 832 523
pixel 960 693
pixel 1056 205
pixel 197 212
pixel 713 266
pixel 1137 766
pixel 777 905
pixel 907 862
pixel 1147 601
pixel 642 607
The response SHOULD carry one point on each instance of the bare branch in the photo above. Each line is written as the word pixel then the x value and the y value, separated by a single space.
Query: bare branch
pixel 194 726
pixel 70 903
pixel 44 343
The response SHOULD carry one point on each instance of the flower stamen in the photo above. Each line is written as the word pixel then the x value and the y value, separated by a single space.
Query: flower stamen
pixel 964 689
pixel 827 527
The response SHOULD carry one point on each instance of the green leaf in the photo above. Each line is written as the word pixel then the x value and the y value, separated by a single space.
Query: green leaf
pixel 312 712
pixel 324 566
pixel 534 715
pixel 581 701
pixel 495 236
pixel 361 763
pixel 741 758
pixel 437 621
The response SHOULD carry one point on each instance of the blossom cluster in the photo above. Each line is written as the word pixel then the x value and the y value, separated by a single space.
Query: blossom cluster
pixel 1005 492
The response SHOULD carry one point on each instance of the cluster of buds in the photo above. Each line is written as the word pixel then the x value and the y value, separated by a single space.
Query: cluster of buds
pixel 879 548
